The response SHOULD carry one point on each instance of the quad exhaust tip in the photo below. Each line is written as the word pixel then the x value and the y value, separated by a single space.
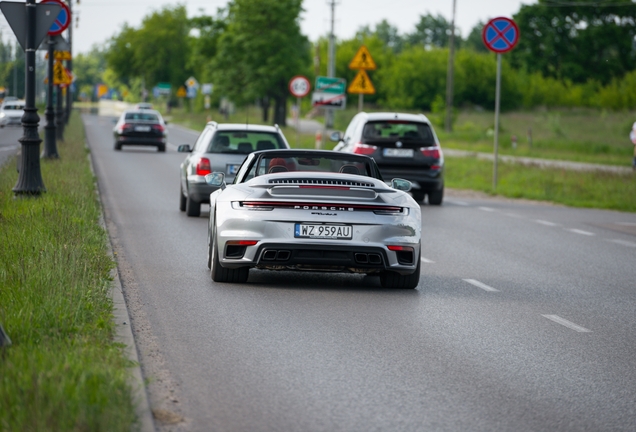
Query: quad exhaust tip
pixel 364 258
pixel 276 255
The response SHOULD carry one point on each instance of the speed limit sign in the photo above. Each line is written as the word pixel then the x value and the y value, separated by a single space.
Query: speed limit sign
pixel 299 86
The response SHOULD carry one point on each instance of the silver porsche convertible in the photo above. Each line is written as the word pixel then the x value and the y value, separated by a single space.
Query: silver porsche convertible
pixel 313 210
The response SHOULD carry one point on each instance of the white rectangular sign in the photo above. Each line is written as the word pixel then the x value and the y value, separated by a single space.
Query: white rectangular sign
pixel 328 100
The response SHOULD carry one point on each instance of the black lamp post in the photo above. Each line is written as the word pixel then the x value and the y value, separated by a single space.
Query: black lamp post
pixel 30 177
pixel 59 114
pixel 50 144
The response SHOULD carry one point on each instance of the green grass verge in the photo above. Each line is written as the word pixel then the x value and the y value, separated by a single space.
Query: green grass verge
pixel 63 371
pixel 574 188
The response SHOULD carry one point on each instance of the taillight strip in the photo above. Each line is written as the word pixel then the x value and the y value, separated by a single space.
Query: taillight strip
pixel 319 206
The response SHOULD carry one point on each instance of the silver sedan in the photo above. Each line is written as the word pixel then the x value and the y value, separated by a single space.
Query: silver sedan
pixel 220 148
pixel 311 210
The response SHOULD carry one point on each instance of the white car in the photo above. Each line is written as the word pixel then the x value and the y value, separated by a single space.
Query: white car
pixel 313 210
pixel 11 113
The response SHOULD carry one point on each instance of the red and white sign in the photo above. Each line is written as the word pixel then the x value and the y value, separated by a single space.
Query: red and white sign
pixel 63 19
pixel 299 86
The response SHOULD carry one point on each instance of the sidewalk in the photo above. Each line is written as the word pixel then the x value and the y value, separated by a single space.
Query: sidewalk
pixel 543 163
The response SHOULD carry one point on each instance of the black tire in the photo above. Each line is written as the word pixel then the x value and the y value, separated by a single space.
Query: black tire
pixel 419 195
pixel 394 280
pixel 222 274
pixel 193 208
pixel 182 199
pixel 117 146
pixel 161 148
pixel 436 197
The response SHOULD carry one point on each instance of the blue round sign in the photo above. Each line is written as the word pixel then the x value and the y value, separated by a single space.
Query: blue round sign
pixel 500 35
pixel 63 18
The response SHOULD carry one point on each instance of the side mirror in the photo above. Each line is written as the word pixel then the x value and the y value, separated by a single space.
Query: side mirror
pixel 335 136
pixel 184 148
pixel 165 121
pixel 401 184
pixel 216 179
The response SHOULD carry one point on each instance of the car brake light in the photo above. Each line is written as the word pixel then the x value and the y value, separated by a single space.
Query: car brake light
pixel 431 152
pixel 158 127
pixel 242 242
pixel 364 149
pixel 400 248
pixel 123 127
pixel 203 167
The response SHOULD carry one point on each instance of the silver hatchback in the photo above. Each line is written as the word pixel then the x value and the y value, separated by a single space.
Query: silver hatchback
pixel 221 148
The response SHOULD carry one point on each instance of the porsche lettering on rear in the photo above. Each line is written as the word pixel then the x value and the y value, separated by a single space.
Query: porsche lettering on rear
pixel 331 208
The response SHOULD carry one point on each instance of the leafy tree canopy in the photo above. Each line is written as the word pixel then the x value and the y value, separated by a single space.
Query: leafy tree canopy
pixel 158 51
pixel 577 39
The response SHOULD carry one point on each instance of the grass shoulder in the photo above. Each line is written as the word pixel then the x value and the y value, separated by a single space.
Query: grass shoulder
pixel 63 371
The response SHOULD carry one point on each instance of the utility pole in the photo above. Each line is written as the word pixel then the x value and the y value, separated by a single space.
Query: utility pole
pixel 331 70
pixel 448 123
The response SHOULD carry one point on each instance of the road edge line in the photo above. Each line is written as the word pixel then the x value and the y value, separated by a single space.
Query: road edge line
pixel 121 318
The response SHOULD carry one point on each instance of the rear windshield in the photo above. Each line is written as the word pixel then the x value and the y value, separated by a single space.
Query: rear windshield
pixel 142 116
pixel 390 131
pixel 13 107
pixel 244 142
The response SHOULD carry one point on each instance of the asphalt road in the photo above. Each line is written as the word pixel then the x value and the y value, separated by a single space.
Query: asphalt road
pixel 9 144
pixel 523 320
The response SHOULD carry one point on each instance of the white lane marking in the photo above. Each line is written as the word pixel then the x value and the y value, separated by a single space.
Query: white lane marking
pixel 546 223
pixel 578 231
pixel 624 243
pixel 480 285
pixel 557 319
pixel 459 203
pixel 427 261
pixel 488 209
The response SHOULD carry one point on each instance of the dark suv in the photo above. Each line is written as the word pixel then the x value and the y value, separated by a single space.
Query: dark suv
pixel 403 145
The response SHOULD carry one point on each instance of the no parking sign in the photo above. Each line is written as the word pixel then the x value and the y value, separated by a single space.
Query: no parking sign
pixel 500 35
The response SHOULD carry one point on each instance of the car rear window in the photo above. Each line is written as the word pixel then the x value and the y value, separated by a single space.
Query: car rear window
pixel 244 142
pixel 142 116
pixel 13 107
pixel 390 131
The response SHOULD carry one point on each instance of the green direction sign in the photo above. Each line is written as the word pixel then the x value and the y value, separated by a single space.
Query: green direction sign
pixel 330 85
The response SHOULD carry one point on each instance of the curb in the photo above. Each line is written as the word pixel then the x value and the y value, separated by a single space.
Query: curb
pixel 123 330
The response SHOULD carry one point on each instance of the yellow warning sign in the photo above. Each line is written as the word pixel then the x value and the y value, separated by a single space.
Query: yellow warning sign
pixel 60 74
pixel 363 60
pixel 361 84
pixel 182 92
pixel 62 55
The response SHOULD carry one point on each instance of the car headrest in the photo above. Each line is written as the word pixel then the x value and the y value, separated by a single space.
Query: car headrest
pixel 245 147
pixel 265 145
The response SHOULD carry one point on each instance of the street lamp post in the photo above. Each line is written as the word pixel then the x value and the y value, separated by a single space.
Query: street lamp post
pixel 30 177
pixel 50 145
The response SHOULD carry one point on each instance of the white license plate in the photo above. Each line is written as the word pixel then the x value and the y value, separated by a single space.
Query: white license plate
pixel 396 152
pixel 142 128
pixel 323 231
pixel 232 169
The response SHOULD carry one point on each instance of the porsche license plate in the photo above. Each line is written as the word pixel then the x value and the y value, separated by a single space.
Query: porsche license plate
pixel 142 128
pixel 323 231
pixel 397 152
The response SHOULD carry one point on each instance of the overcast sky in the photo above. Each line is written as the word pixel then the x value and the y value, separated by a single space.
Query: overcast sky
pixel 98 20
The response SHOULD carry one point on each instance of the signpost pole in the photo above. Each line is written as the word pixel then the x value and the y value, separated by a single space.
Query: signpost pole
pixel 30 179
pixel 497 97
pixel 360 102
pixel 59 115
pixel 50 145
pixel 297 122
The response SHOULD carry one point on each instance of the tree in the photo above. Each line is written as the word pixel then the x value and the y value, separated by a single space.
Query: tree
pixel 89 69
pixel 432 32
pixel 260 50
pixel 580 41
pixel 474 40
pixel 157 52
